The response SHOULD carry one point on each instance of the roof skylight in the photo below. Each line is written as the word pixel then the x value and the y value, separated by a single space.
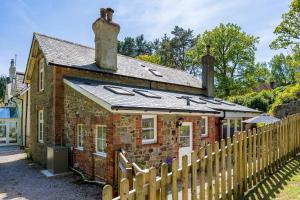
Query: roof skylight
pixel 118 90
pixel 147 93
pixel 155 72
pixel 225 102
pixel 210 100
pixel 189 100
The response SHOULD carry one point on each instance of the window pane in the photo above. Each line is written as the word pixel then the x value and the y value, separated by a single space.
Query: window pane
pixel 148 134
pixel 239 123
pixel 184 136
pixel 148 123
pixel 203 126
pixel 13 133
pixel 232 124
pixel 101 139
pixel 224 129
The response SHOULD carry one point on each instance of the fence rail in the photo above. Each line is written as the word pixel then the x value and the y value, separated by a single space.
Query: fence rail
pixel 219 171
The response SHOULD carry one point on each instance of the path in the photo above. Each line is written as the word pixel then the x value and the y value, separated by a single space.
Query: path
pixel 21 179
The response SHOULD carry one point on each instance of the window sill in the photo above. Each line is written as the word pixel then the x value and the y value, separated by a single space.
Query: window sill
pixel 149 142
pixel 79 148
pixel 41 142
pixel 204 136
pixel 100 154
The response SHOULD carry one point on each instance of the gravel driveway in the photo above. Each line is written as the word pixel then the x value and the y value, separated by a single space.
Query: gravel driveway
pixel 21 179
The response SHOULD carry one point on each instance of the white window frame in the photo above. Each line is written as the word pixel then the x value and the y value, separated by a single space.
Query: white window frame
pixel 206 127
pixel 41 126
pixel 154 140
pixel 41 76
pixel 80 147
pixel 100 153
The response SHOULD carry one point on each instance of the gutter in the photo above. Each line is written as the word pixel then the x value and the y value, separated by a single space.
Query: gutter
pixel 146 109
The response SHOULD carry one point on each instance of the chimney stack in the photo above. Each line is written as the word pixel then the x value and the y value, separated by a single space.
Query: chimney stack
pixel 208 62
pixel 106 40
pixel 12 70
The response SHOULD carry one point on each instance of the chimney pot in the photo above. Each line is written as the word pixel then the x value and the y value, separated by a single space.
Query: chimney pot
pixel 103 13
pixel 109 12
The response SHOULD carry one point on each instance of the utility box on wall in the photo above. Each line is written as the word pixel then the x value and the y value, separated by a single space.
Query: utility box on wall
pixel 57 159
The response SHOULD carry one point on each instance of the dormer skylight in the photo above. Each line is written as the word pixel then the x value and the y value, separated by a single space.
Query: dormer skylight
pixel 155 72
pixel 118 90
pixel 146 93
pixel 225 102
pixel 210 100
pixel 189 100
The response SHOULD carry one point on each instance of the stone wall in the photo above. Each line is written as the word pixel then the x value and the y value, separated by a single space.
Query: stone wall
pixel 52 101
pixel 290 108
pixel 41 100
pixel 123 131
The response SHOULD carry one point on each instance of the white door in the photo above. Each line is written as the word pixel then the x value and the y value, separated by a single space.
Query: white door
pixel 185 141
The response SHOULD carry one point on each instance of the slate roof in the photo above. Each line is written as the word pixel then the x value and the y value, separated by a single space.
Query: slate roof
pixel 20 85
pixel 169 101
pixel 69 54
pixel 8 112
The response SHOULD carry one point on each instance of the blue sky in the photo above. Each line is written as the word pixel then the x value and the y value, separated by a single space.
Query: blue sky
pixel 72 20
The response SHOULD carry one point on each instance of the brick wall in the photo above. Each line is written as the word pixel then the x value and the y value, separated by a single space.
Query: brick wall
pixel 123 131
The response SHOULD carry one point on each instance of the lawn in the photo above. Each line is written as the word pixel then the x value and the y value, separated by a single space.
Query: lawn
pixel 284 184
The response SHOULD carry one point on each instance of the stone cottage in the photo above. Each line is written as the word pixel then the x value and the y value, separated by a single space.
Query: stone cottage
pixel 96 102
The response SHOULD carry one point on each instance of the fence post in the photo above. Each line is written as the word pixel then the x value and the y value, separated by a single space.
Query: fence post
pixel 229 168
pixel 164 181
pixel 124 189
pixel 194 176
pixel 245 161
pixel 250 166
pixel 235 167
pixel 254 157
pixel 259 154
pixel 209 172
pixel 202 173
pixel 240 163
pixel 107 193
pixel 217 170
pixel 263 159
pixel 139 188
pixel 223 170
pixel 152 183
pixel 174 179
pixel 185 177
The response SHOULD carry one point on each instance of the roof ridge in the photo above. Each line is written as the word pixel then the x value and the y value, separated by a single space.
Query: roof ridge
pixel 62 40
pixel 158 65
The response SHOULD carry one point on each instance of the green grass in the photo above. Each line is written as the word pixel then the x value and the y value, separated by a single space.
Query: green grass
pixel 284 184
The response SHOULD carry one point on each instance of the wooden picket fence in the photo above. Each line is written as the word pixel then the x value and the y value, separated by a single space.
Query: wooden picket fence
pixel 220 171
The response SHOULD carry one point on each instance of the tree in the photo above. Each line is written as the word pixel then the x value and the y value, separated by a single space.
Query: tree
pixel 234 51
pixel 127 47
pixel 173 50
pixel 253 75
pixel 281 72
pixel 288 31
pixel 150 58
